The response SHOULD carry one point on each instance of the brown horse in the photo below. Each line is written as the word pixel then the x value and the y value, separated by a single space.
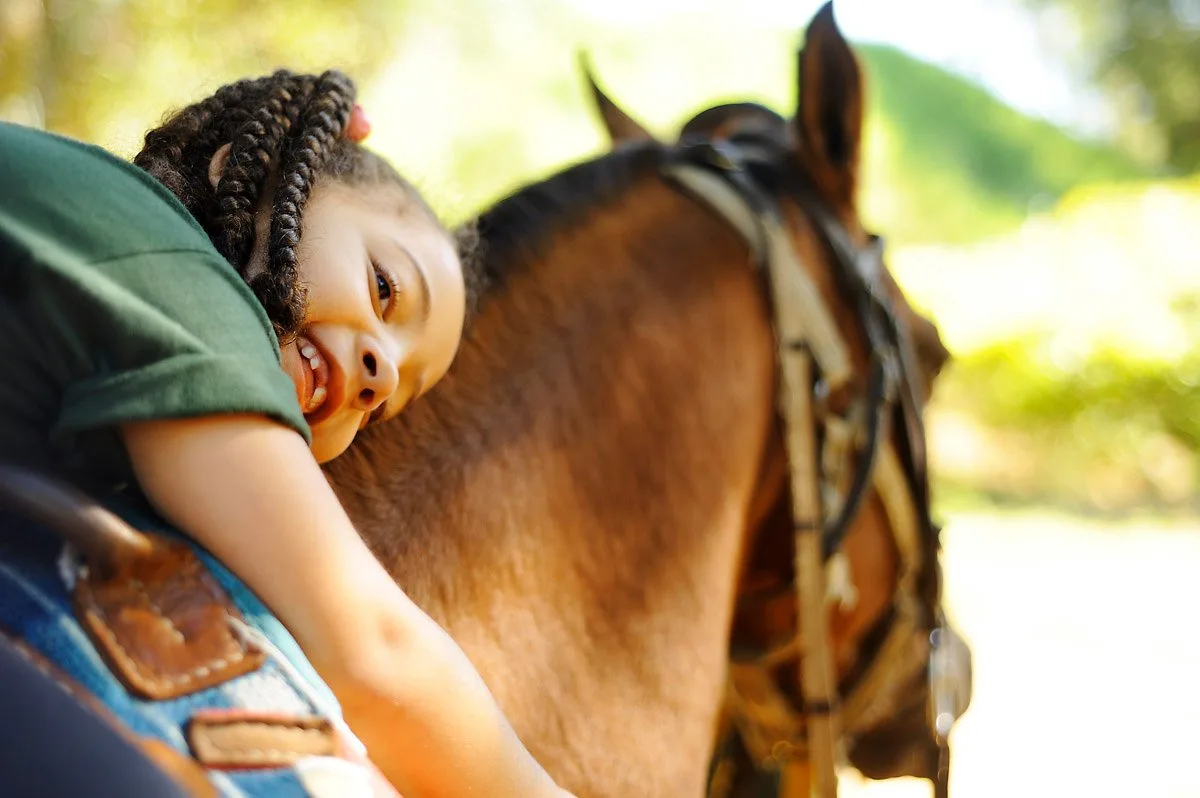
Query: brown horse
pixel 584 497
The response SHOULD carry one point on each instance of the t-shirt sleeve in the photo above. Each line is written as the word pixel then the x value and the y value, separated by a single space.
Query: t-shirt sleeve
pixel 160 335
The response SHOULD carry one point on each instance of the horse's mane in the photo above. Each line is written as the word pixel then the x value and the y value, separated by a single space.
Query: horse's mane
pixel 517 230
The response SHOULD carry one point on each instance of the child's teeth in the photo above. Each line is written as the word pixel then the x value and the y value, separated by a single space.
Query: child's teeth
pixel 314 361
pixel 308 350
pixel 318 396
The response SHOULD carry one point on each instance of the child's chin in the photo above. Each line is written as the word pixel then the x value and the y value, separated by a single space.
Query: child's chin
pixel 329 441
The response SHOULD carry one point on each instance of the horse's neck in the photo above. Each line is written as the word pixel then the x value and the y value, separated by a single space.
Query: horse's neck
pixel 580 482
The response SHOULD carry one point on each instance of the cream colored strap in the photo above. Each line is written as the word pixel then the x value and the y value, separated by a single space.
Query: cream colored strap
pixel 802 316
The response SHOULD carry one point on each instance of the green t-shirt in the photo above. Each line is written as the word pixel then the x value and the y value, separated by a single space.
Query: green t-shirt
pixel 115 307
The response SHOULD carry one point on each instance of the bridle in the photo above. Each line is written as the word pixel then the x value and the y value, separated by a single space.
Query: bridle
pixel 835 458
pixel 828 483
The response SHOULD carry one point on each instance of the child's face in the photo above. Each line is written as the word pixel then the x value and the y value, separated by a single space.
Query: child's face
pixel 385 310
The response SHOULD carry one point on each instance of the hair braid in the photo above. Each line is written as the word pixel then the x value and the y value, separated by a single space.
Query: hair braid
pixel 248 166
pixel 319 129
pixel 175 152
pixel 285 131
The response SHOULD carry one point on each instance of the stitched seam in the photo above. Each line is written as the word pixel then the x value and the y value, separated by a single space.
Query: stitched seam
pixel 260 754
pixel 162 617
pixel 128 660
pixel 239 756
pixel 198 672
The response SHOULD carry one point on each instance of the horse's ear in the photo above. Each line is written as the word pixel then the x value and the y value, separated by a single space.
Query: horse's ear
pixel 829 115
pixel 621 126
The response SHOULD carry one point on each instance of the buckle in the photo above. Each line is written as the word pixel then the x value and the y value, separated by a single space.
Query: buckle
pixel 949 679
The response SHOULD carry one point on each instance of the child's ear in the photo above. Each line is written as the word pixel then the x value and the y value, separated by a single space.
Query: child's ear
pixel 217 165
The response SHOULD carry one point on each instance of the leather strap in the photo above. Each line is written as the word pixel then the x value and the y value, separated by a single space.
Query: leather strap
pixel 150 606
pixel 163 624
pixel 227 739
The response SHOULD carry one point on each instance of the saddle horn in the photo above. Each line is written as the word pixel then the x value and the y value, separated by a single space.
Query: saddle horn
pixel 110 545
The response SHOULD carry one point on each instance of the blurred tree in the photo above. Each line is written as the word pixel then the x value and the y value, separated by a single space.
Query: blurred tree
pixel 1146 55
pixel 84 67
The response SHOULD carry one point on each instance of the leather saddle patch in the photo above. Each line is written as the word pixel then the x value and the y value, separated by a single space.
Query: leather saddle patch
pixel 234 739
pixel 162 624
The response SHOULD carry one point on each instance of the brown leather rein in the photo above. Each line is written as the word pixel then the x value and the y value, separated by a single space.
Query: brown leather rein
pixel 834 460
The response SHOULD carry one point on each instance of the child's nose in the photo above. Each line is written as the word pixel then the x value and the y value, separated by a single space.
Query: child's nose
pixel 378 378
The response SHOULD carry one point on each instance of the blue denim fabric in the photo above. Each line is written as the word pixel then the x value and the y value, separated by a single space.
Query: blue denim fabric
pixel 36 606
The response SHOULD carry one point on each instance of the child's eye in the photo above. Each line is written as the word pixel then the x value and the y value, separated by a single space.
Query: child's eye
pixel 385 287
pixel 382 286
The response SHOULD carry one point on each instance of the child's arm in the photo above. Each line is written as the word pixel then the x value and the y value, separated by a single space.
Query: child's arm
pixel 250 491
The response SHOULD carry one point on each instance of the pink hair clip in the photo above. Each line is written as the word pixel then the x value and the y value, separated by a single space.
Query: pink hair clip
pixel 359 126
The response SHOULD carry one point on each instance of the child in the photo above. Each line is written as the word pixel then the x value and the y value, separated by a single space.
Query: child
pixel 216 380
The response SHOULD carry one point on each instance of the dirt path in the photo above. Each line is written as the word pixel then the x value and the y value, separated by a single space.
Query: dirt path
pixel 1087 659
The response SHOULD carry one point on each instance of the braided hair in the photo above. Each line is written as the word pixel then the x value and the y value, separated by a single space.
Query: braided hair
pixel 285 131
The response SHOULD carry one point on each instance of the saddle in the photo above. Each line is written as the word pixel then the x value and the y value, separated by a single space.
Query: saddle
pixel 168 647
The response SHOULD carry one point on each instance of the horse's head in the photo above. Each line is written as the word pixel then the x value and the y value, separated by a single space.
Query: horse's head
pixel 826 132
pixel 602 471
pixel 814 157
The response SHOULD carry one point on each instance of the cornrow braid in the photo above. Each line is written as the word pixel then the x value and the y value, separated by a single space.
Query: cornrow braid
pixel 284 131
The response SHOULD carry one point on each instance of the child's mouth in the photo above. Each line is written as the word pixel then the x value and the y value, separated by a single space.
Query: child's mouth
pixel 316 375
